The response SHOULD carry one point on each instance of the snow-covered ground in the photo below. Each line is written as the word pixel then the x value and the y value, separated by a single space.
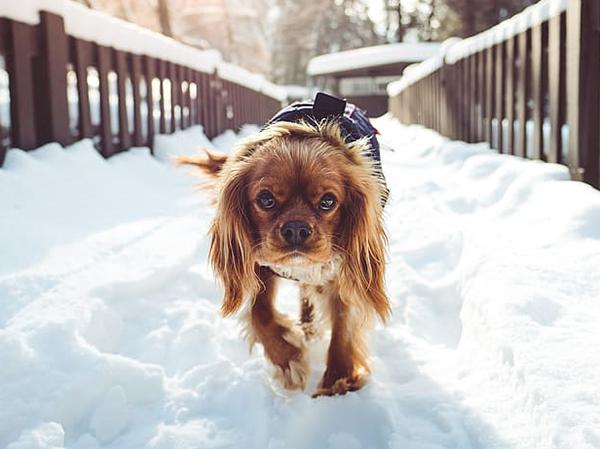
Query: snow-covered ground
pixel 110 335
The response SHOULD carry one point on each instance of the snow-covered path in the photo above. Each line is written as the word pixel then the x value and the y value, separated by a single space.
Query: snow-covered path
pixel 110 335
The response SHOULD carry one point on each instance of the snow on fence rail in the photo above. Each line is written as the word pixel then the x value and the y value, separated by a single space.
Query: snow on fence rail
pixel 529 86
pixel 68 72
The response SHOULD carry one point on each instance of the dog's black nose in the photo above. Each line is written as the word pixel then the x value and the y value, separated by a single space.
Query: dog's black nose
pixel 295 232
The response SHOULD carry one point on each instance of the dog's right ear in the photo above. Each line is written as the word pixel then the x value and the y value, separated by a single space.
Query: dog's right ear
pixel 231 245
pixel 210 165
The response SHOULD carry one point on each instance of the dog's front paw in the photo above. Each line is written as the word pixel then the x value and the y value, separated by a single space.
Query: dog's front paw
pixel 335 383
pixel 290 359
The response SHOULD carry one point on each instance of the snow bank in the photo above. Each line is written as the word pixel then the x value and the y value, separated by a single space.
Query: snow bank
pixel 187 142
pixel 110 334
pixel 254 81
pixel 417 71
pixel 371 57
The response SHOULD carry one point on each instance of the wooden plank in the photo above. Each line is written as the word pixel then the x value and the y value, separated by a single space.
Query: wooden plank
pixel 203 90
pixel 481 95
pixel 510 94
pixel 104 66
pixel 454 93
pixel 524 76
pixel 466 91
pixel 136 78
pixel 500 100
pixel 199 98
pixel 539 41
pixel 121 67
pixel 162 75
pixel 185 74
pixel 149 72
pixel 583 89
pixel 51 103
pixel 474 86
pixel 22 104
pixel 83 58
pixel 173 75
pixel 443 100
pixel 489 93
pixel 556 84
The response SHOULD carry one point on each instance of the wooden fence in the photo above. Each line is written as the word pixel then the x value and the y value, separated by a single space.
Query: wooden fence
pixel 529 87
pixel 55 87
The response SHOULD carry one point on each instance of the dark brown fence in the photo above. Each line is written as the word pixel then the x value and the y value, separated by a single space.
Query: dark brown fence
pixel 529 87
pixel 59 88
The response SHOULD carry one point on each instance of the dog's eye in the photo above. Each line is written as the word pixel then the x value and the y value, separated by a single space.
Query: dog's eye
pixel 266 200
pixel 327 202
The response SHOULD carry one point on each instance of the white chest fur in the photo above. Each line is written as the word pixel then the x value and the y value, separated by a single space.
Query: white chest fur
pixel 311 274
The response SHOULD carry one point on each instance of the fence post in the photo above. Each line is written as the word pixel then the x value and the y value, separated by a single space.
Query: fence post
pixel 122 70
pixel 51 98
pixel 509 108
pixel 21 86
pixel 523 82
pixel 105 66
pixel 583 89
pixel 539 41
pixel 500 93
pixel 556 85
pixel 83 55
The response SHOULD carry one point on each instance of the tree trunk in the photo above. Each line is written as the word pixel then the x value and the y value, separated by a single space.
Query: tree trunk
pixel 164 18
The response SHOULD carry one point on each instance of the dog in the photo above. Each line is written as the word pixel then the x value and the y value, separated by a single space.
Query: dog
pixel 303 200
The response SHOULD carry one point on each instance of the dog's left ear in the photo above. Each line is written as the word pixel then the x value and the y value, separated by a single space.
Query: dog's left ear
pixel 231 246
pixel 364 240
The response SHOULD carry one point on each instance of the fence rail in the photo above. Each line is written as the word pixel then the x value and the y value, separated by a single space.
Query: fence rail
pixel 529 87
pixel 60 87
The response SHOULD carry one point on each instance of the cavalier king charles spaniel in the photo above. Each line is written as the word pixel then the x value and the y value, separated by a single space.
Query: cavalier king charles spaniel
pixel 300 201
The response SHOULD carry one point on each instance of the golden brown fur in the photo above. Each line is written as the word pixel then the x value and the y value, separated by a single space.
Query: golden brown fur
pixel 293 173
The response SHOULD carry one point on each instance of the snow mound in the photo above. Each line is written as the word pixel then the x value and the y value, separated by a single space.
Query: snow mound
pixel 110 334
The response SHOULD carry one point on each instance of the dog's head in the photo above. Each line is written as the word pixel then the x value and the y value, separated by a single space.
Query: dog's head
pixel 298 195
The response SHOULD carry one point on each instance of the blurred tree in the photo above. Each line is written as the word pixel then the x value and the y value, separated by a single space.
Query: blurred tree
pixel 487 13
pixel 164 17
pixel 235 27
pixel 436 20
pixel 306 28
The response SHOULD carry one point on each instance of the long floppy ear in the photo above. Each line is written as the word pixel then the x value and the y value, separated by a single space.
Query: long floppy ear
pixel 231 244
pixel 364 240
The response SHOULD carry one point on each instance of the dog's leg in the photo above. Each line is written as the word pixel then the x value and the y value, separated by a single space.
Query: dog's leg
pixel 282 340
pixel 347 367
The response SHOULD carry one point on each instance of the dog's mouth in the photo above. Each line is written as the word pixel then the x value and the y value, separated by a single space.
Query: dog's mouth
pixel 293 257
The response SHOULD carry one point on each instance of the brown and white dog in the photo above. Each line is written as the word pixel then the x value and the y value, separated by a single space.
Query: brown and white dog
pixel 297 201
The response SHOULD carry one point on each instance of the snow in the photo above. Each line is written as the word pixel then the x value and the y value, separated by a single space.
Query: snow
pixel 417 71
pixel 243 77
pixel 110 333
pixel 371 57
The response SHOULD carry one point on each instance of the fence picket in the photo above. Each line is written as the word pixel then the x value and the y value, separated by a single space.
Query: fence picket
pixel 556 85
pixel 523 91
pixel 509 108
pixel 583 89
